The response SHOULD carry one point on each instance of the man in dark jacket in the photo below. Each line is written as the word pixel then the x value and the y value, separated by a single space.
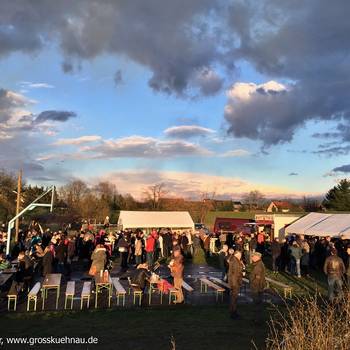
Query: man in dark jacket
pixel 257 278
pixel 235 275
pixel 47 261
pixel 61 253
pixel 275 252
pixel 334 268
pixel 140 276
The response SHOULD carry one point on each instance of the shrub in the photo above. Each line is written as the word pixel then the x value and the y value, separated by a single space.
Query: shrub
pixel 313 324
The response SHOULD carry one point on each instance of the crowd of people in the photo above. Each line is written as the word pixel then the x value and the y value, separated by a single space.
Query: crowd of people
pixel 47 251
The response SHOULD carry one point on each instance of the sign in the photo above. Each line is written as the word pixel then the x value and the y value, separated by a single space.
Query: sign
pixel 264 219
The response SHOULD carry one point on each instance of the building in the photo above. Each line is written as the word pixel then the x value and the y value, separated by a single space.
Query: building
pixel 282 207
pixel 275 224
pixel 237 206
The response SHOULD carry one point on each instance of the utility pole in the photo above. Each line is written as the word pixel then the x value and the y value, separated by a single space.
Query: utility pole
pixel 18 206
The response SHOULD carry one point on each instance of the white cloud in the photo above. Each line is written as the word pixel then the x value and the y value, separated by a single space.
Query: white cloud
pixel 78 140
pixel 30 85
pixel 236 153
pixel 241 92
pixel 144 147
pixel 130 147
pixel 187 131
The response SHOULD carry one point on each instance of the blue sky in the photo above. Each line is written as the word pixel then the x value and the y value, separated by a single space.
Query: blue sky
pixel 221 129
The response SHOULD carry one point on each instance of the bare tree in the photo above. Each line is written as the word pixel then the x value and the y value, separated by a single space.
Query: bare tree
pixel 254 200
pixel 206 204
pixel 154 195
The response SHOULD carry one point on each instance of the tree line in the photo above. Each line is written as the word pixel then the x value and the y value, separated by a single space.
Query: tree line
pixel 77 200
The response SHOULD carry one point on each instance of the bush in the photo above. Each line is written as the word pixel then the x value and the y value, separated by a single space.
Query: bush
pixel 313 324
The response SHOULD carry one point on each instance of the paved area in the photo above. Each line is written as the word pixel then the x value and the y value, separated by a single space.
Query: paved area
pixel 192 275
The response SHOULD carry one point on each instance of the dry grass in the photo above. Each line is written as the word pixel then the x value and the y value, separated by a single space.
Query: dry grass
pixel 311 323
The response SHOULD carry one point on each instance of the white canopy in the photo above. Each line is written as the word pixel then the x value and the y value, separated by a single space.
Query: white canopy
pixel 320 224
pixel 155 219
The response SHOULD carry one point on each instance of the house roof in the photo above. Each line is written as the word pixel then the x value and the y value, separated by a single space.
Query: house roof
pixel 283 204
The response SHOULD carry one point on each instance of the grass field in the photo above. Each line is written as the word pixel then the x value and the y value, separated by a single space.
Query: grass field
pixel 192 327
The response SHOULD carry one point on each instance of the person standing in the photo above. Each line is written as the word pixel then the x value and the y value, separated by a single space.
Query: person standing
pixel 305 258
pixel 257 279
pixel 261 242
pixel 138 250
pixel 223 254
pixel 47 261
pixel 161 244
pixel 61 254
pixel 235 275
pixel 334 268
pixel 296 254
pixel 123 248
pixel 150 247
pixel 99 259
pixel 177 269
pixel 275 252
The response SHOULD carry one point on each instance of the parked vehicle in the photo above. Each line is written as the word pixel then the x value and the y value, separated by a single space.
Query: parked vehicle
pixel 229 225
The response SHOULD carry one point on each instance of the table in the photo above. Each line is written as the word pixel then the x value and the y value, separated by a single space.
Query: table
pixel 103 282
pixel 11 270
pixel 4 278
pixel 51 281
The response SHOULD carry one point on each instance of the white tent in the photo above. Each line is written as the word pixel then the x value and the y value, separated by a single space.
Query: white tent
pixel 321 224
pixel 155 219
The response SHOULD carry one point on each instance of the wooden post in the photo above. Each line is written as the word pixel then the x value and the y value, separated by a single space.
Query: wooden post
pixel 18 204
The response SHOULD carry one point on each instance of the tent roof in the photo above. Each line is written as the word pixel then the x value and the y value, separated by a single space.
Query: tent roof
pixel 155 219
pixel 321 224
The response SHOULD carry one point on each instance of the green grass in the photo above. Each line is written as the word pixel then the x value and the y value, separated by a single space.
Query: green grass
pixel 315 283
pixel 193 327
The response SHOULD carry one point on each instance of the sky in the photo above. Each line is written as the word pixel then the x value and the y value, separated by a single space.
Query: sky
pixel 205 96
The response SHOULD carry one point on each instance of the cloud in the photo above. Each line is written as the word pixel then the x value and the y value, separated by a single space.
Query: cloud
pixel 261 111
pixel 12 108
pixel 187 131
pixel 118 78
pixel 293 174
pixel 57 116
pixel 305 45
pixel 190 185
pixel 342 169
pixel 23 135
pixel 172 39
pixel 236 153
pixel 28 84
pixel 78 140
pixel 342 135
pixel 143 147
pixel 185 43
pixel 334 151
pixel 127 147
pixel 208 82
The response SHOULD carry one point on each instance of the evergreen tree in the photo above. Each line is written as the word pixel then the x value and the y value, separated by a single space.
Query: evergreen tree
pixel 338 198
